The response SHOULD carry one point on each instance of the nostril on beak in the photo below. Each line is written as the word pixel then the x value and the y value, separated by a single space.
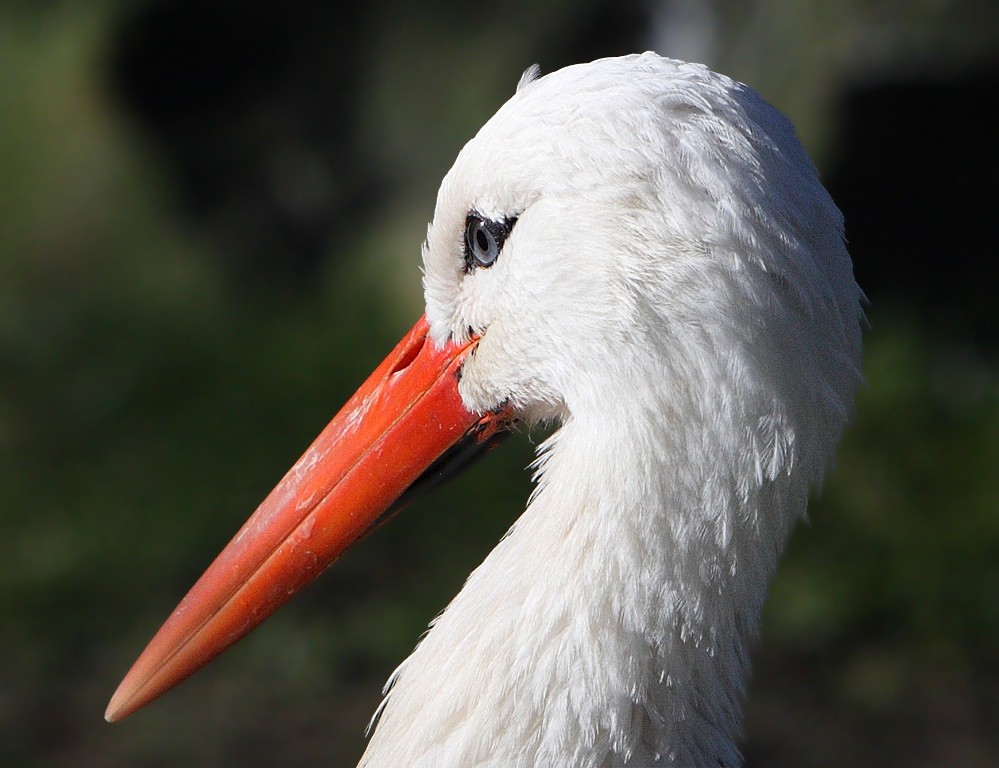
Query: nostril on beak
pixel 409 355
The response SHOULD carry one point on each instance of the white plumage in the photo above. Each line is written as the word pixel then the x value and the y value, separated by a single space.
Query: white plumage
pixel 639 251
pixel 677 296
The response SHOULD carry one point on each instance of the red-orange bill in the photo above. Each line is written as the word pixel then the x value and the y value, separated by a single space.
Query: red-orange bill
pixel 395 428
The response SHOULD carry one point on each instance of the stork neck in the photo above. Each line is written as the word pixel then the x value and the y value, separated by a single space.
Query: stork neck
pixel 608 628
pixel 660 565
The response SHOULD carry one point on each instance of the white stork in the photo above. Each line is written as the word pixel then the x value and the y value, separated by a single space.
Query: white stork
pixel 640 251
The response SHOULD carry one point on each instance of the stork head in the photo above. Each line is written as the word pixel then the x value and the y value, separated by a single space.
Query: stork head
pixel 641 216
pixel 632 239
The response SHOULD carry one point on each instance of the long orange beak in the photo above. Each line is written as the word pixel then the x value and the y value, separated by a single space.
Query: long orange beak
pixel 401 429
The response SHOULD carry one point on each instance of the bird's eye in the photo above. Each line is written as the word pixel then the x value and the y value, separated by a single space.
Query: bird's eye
pixel 481 245
pixel 483 240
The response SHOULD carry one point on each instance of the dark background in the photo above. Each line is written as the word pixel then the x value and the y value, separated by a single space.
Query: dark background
pixel 210 217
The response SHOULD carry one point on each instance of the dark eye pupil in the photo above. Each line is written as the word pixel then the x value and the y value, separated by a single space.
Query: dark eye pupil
pixel 484 239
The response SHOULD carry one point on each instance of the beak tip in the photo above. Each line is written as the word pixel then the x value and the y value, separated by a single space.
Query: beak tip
pixel 114 711
pixel 124 702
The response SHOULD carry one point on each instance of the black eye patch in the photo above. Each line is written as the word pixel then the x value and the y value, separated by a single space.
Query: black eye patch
pixel 484 240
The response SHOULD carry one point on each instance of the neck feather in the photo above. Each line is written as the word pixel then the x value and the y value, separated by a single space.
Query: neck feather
pixel 610 626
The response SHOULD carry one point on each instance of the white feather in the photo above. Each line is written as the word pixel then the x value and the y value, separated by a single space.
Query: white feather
pixel 677 295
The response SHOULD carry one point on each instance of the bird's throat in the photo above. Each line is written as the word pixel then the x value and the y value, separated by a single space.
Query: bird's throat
pixel 603 620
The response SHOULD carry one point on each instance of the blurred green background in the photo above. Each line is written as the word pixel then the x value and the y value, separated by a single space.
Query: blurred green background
pixel 210 218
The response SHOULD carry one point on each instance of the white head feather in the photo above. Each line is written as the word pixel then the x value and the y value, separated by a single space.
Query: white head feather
pixel 677 295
